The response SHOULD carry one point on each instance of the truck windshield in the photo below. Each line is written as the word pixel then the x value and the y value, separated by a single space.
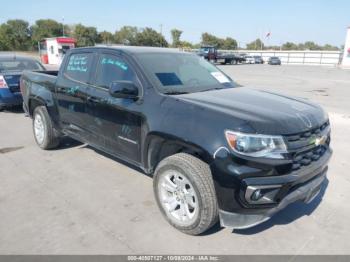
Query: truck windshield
pixel 207 50
pixel 175 73
pixel 19 65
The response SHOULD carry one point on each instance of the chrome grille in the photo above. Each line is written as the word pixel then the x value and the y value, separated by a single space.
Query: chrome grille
pixel 302 140
pixel 303 148
pixel 307 157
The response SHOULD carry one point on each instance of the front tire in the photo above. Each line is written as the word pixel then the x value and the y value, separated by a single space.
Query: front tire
pixel 184 191
pixel 45 135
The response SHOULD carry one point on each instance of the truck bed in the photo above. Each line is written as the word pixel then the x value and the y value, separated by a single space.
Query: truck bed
pixel 38 84
pixel 51 72
pixel 44 77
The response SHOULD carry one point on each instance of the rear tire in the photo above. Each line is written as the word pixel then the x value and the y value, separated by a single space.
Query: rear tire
pixel 185 194
pixel 45 135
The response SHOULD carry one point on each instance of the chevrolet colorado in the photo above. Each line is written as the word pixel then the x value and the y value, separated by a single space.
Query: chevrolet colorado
pixel 216 151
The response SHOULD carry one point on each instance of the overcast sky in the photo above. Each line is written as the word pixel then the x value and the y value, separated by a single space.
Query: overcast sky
pixel 322 21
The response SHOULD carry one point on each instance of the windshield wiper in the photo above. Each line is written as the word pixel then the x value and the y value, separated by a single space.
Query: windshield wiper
pixel 176 92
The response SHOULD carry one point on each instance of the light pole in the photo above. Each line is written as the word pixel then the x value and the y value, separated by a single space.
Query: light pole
pixel 161 34
pixel 63 26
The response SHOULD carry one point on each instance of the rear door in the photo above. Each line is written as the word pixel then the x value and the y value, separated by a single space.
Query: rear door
pixel 71 92
pixel 116 122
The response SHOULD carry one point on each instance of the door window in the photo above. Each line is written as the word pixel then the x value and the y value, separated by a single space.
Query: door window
pixel 79 67
pixel 113 68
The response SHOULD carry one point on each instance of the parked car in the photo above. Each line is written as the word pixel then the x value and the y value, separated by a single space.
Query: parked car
pixel 274 60
pixel 241 57
pixel 213 149
pixel 249 59
pixel 258 59
pixel 11 68
pixel 211 54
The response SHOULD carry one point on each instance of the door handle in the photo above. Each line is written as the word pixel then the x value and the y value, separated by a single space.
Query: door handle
pixel 92 99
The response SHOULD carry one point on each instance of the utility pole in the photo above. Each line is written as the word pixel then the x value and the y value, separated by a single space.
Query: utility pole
pixel 62 25
pixel 161 34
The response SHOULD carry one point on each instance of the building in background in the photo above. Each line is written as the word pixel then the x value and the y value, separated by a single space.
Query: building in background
pixel 52 50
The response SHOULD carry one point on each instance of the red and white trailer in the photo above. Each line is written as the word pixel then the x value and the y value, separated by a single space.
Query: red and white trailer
pixel 52 50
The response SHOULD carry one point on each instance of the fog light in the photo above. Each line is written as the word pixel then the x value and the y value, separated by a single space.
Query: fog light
pixel 261 194
pixel 256 195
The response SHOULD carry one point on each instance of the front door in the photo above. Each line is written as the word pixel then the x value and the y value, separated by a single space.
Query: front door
pixel 116 124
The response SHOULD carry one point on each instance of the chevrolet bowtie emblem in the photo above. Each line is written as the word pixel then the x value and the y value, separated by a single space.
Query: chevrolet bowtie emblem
pixel 320 140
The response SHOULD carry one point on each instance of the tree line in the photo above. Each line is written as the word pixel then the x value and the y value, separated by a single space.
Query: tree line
pixel 308 45
pixel 19 35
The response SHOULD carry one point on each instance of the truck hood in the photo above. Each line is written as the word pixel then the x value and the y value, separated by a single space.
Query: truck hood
pixel 265 112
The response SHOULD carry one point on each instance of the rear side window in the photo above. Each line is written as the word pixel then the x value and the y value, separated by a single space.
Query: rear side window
pixel 19 65
pixel 79 67
pixel 113 68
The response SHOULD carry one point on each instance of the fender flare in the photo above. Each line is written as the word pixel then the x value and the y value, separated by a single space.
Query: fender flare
pixel 159 145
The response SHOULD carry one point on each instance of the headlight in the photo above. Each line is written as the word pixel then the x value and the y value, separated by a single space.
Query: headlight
pixel 256 145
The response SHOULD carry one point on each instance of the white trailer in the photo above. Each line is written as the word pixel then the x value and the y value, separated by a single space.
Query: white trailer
pixel 52 50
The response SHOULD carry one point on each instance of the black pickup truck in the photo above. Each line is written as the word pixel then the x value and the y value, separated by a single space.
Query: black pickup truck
pixel 214 150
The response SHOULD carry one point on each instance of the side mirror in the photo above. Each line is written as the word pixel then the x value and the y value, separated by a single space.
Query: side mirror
pixel 124 89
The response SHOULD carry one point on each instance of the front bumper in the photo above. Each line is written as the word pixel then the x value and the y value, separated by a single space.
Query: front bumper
pixel 304 193
pixel 297 186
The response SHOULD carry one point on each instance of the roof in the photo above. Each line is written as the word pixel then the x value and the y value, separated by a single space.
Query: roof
pixel 61 39
pixel 66 40
pixel 15 57
pixel 136 49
